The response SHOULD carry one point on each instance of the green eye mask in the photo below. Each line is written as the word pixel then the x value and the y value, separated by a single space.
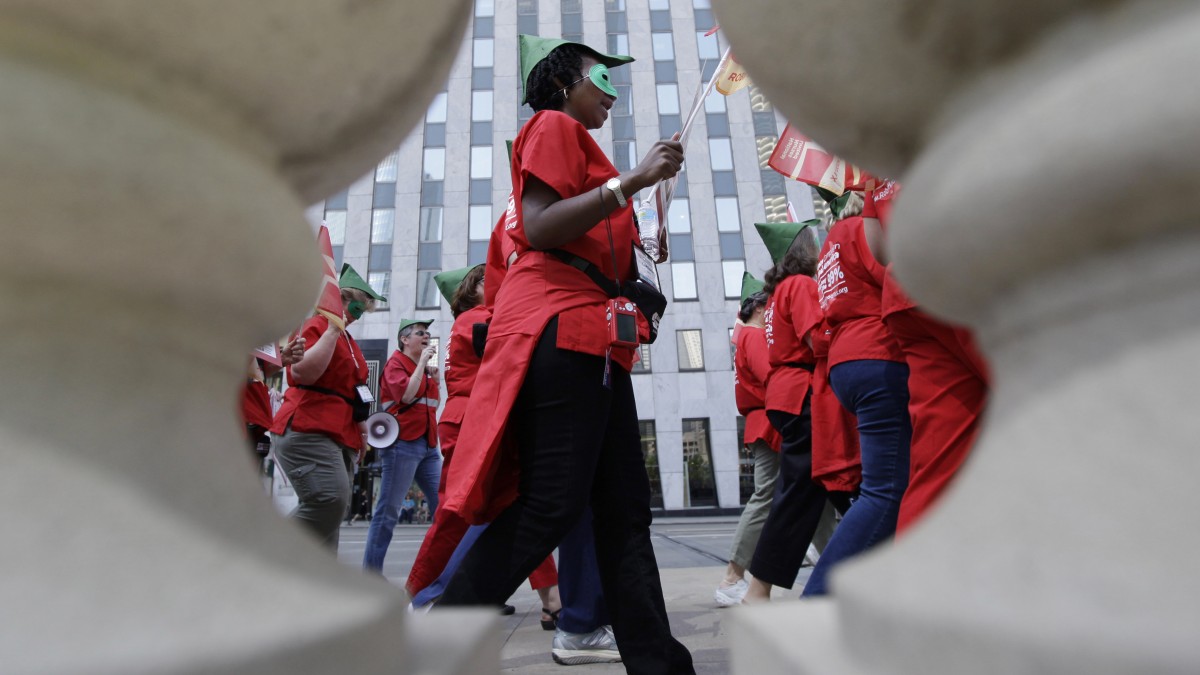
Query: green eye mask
pixel 355 309
pixel 599 77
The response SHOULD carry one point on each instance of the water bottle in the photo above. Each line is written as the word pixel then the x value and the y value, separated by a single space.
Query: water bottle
pixel 648 223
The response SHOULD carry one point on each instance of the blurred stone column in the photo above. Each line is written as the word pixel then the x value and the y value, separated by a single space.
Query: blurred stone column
pixel 1050 153
pixel 155 159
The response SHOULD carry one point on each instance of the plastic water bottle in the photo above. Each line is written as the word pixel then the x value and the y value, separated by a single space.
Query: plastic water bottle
pixel 648 223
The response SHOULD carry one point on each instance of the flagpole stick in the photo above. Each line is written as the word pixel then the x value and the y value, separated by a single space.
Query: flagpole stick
pixel 700 97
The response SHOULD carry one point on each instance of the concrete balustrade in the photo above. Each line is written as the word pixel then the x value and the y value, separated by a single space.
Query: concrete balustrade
pixel 1049 152
pixel 156 162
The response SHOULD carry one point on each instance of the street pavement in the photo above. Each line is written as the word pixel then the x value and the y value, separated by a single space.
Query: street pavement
pixel 692 554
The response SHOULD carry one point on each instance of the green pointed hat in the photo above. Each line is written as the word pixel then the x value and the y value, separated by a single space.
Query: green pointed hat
pixel 350 279
pixel 449 281
pixel 750 285
pixel 779 236
pixel 405 323
pixel 836 202
pixel 534 49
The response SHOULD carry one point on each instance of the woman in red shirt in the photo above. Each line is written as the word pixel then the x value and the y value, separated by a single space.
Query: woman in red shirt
pixel 317 439
pixel 761 441
pixel 868 374
pixel 792 315
pixel 947 383
pixel 551 376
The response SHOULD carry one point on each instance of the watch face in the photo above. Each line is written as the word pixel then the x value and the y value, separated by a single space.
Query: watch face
pixel 614 183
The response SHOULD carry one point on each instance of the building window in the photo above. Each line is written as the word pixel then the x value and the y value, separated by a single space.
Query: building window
pixel 481 106
pixel 435 164
pixel 691 349
pixel 668 99
pixel 660 5
pixel 679 217
pixel 643 363
pixel 437 110
pixel 650 453
pixel 386 171
pixel 697 463
pixel 335 221
pixel 720 154
pixel 706 46
pixel 481 161
pixel 485 8
pixel 427 290
pixel 663 46
pixel 728 217
pixel 431 223
pixel 683 278
pixel 732 270
pixel 484 53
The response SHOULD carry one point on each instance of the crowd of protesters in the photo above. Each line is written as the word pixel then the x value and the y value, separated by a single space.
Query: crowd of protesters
pixel 859 407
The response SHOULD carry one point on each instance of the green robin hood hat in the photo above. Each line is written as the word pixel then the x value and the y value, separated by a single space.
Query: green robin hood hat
pixel 405 323
pixel 750 285
pixel 350 279
pixel 836 202
pixel 534 49
pixel 779 236
pixel 449 281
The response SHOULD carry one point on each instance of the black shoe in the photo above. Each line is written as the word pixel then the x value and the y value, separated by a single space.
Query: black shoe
pixel 552 622
pixel 508 610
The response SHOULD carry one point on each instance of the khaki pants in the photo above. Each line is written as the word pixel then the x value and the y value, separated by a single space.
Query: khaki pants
pixel 749 527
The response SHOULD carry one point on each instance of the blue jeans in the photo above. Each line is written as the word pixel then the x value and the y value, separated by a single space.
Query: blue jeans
pixel 583 608
pixel 401 463
pixel 877 392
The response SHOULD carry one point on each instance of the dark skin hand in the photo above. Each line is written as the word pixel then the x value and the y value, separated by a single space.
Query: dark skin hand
pixel 550 220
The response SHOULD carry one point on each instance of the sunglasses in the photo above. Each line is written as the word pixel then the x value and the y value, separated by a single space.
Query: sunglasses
pixel 420 333
pixel 599 77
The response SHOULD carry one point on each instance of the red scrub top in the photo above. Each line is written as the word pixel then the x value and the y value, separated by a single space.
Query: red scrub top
pixel 557 150
pixel 256 404
pixel 314 412
pixel 792 312
pixel 420 417
pixel 850 284
pixel 751 367
pixel 500 248
pixel 462 365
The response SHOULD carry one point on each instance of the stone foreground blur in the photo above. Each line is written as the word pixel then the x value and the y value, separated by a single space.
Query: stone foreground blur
pixel 156 161
pixel 1049 152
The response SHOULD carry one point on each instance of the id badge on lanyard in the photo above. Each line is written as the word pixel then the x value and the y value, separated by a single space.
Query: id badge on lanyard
pixel 647 270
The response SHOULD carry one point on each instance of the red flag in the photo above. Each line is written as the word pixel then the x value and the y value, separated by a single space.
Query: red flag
pixel 800 158
pixel 329 302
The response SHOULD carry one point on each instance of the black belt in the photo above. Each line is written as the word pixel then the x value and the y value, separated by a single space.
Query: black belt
pixel 805 366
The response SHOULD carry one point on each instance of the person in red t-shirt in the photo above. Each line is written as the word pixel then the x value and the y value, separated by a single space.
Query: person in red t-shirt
pixel 868 374
pixel 798 504
pixel 761 441
pixel 552 377
pixel 408 390
pixel 316 437
pixel 256 398
pixel 947 382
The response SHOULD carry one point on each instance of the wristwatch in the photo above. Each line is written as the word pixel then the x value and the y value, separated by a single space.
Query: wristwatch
pixel 614 184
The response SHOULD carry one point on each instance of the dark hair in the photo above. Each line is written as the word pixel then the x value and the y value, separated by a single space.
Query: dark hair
pixel 465 296
pixel 563 64
pixel 801 258
pixel 750 304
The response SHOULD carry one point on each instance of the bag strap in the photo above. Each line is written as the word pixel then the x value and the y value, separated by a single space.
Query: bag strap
pixel 607 285
pixel 323 390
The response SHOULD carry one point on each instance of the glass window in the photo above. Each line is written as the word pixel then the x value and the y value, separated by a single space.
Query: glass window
pixel 650 452
pixel 660 20
pixel 527 7
pixel 571 6
pixel 720 154
pixel 732 271
pixel 437 109
pixel 681 247
pixel 386 171
pixel 697 463
pixel 702 4
pixel 691 349
pixel 624 103
pixel 383 196
pixel 429 255
pixel 431 223
pixel 480 191
pixel 483 78
pixel 476 252
pixel 337 201
pixel 624 155
pixel 335 221
pixel 664 71
pixel 714 104
pixel 481 161
pixel 481 105
pixel 706 46
pixel 683 278
pixel 614 6
pixel 731 245
pixel 427 290
pixel 718 124
pixel 643 362
pixel 664 46
pixel 485 8
pixel 679 218
pixel 479 222
pixel 435 135
pixel 724 184
pixel 618 43
pixel 381 282
pixel 485 26
pixel 668 99
pixel 379 257
pixel 435 164
pixel 728 218
pixel 660 4
pixel 383 225
pixel 484 53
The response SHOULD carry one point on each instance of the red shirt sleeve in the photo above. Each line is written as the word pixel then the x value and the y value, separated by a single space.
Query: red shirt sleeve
pixel 544 155
pixel 395 379
pixel 757 360
pixel 806 309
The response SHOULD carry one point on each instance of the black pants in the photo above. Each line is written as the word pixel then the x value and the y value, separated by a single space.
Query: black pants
pixel 579 445
pixel 796 505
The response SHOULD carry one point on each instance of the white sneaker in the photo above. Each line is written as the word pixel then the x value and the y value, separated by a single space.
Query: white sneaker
pixel 728 596
pixel 598 646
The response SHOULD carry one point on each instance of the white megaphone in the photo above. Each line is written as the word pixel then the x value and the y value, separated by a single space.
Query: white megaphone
pixel 382 430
